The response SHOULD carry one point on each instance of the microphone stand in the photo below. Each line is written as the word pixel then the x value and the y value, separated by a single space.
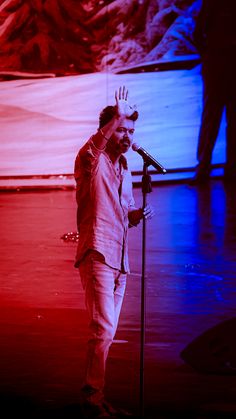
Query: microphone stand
pixel 146 188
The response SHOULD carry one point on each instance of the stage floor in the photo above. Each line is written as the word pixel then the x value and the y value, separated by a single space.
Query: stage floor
pixel 190 288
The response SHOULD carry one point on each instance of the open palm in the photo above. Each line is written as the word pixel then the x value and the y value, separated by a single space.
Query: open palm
pixel 123 107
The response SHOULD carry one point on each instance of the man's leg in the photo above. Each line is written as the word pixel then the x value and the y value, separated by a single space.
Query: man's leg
pixel 213 105
pixel 104 292
pixel 230 166
pixel 119 291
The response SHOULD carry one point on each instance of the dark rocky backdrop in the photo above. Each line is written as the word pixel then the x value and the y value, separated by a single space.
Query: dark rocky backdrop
pixel 75 37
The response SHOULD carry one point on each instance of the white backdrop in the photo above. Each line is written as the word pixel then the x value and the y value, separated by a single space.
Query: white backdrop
pixel 45 121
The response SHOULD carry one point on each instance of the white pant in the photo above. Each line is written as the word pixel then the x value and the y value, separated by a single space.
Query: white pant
pixel 104 292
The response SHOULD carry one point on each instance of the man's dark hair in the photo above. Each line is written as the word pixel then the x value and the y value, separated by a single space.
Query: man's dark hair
pixel 109 112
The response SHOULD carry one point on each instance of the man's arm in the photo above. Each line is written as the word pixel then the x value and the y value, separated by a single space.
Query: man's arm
pixel 123 110
pixel 91 150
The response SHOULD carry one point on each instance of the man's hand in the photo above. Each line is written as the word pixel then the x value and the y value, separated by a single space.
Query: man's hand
pixel 122 104
pixel 137 215
pixel 148 212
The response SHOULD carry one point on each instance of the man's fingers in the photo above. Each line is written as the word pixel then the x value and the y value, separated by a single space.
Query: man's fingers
pixel 147 209
pixel 122 93
pixel 148 212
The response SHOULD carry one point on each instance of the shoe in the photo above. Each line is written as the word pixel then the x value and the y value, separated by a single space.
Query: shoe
pixel 92 410
pixel 119 413
pixel 94 405
pixel 202 174
pixel 199 179
pixel 102 410
pixel 229 177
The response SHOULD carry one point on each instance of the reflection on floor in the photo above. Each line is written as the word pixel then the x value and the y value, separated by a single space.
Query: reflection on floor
pixel 190 289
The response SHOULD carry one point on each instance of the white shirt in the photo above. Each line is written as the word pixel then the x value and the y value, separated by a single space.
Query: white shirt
pixel 104 200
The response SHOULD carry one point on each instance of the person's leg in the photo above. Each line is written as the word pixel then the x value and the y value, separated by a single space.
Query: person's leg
pixel 119 291
pixel 230 166
pixel 104 292
pixel 213 106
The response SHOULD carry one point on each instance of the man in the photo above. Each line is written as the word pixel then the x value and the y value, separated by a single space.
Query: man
pixel 215 38
pixel 106 209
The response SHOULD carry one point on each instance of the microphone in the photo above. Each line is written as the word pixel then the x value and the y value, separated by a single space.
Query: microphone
pixel 148 159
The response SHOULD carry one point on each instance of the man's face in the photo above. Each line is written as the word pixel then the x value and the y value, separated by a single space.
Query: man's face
pixel 122 138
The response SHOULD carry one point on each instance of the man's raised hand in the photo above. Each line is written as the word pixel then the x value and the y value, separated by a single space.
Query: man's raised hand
pixel 122 104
